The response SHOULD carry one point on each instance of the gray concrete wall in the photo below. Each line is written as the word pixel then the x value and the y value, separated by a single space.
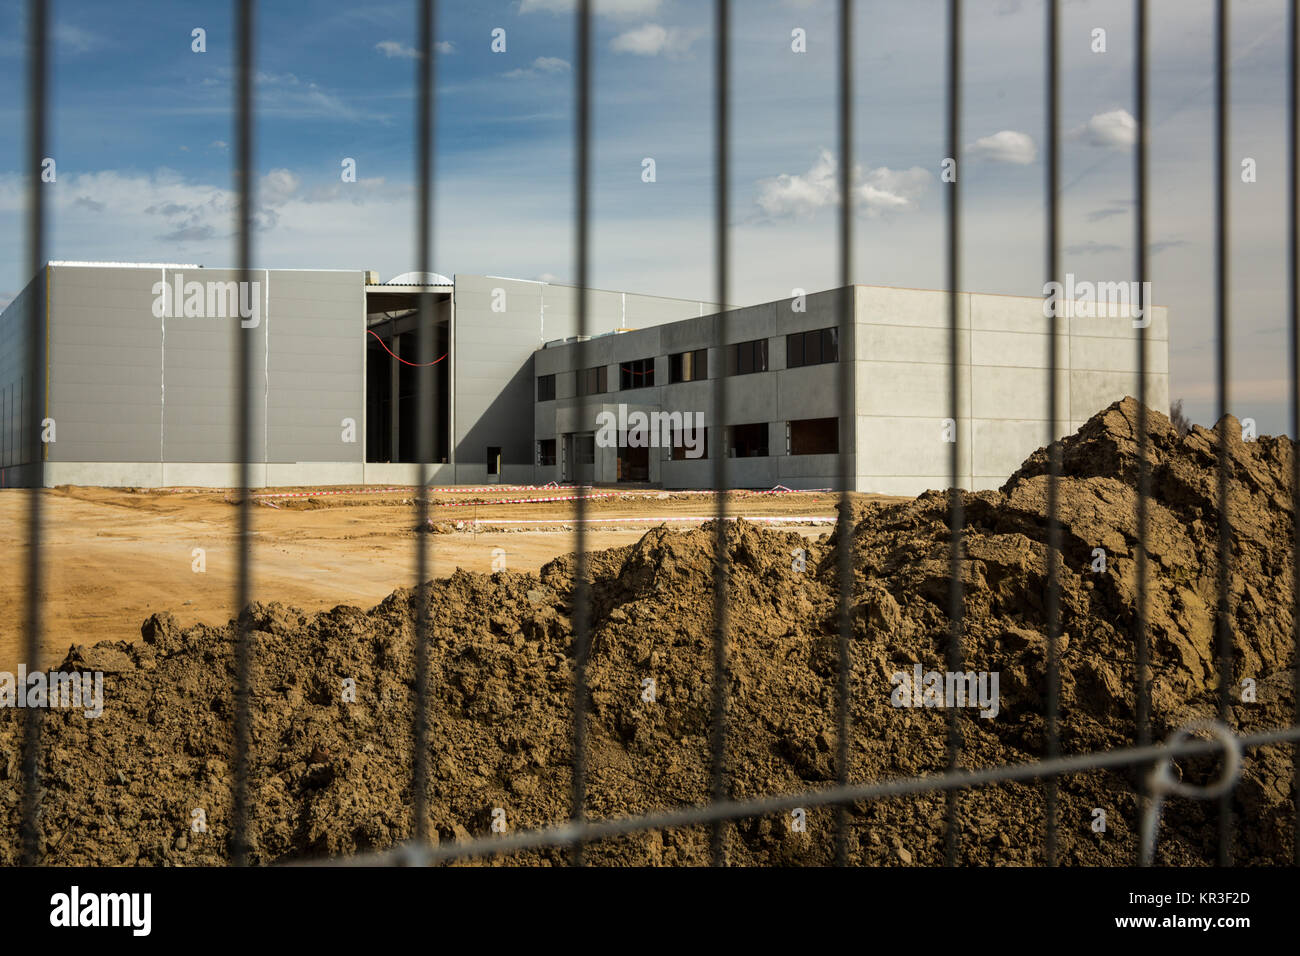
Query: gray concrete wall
pixel 131 388
pixel 22 401
pixel 493 375
pixel 900 380
pixel 903 395
pixel 772 397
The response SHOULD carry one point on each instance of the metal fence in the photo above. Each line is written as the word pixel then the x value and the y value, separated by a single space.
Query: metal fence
pixel 1153 759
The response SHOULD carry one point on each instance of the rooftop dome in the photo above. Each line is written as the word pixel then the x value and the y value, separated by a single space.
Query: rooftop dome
pixel 419 278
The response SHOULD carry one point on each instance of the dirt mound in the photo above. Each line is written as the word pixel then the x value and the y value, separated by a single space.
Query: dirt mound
pixel 331 774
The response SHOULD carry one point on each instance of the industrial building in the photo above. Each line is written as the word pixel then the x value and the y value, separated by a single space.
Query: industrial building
pixel 138 382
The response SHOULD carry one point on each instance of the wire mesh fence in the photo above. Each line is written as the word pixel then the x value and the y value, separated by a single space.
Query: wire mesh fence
pixel 1151 761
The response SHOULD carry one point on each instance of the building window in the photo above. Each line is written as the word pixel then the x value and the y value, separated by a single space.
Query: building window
pixel 584 449
pixel 546 452
pixel 813 436
pixel 638 374
pixel 545 388
pixel 688 366
pixel 699 439
pixel 812 348
pixel 494 459
pixel 748 441
pixel 746 357
pixel 593 381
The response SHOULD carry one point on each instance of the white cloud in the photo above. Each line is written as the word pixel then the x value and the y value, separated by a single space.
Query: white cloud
pixel 163 207
pixel 392 48
pixel 284 94
pixel 653 39
pixel 1007 146
pixel 875 191
pixel 73 39
pixel 1116 129
pixel 164 216
pixel 542 66
pixel 606 8
pixel 397 49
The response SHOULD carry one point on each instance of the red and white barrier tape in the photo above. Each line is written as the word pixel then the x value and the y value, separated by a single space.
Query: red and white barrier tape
pixel 522 501
pixel 549 486
pixel 784 519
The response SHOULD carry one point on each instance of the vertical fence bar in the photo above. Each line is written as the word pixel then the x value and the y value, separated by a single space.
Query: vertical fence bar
pixel 955 513
pixel 1053 413
pixel 720 450
pixel 1140 635
pixel 37 122
pixel 245 12
pixel 1223 624
pixel 581 587
pixel 1293 307
pixel 426 404
pixel 845 384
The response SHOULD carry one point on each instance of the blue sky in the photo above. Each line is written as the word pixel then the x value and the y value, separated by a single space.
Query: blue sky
pixel 142 125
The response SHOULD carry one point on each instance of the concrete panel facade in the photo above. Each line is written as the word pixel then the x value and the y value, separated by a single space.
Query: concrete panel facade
pixel 141 381
pixel 22 401
pixel 900 436
pixel 499 324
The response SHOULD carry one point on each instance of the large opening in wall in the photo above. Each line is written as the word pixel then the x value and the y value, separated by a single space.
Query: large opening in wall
pixel 394 371
pixel 748 441
pixel 633 464
pixel 814 436
pixel 580 457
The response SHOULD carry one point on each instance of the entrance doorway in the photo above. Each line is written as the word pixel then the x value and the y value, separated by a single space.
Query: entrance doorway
pixel 633 464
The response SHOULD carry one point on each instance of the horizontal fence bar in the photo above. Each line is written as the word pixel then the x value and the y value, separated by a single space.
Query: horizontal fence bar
pixel 952 781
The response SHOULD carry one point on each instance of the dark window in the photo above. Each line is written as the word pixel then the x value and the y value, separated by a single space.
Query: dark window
pixel 546 452
pixel 748 441
pixel 593 381
pixel 812 348
pixel 584 449
pixel 494 460
pixel 688 366
pixel 815 436
pixel 638 374
pixel 698 453
pixel 545 388
pixel 746 357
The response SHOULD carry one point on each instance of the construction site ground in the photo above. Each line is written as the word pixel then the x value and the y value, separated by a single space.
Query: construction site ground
pixel 112 557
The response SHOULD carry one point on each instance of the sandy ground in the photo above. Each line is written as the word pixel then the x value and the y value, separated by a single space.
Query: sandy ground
pixel 113 557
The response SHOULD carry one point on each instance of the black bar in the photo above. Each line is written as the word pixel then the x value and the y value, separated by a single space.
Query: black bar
pixel 581 586
pixel 955 516
pixel 425 405
pixel 37 90
pixel 1141 638
pixel 1223 624
pixel 843 381
pixel 1053 445
pixel 718 750
pixel 244 34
